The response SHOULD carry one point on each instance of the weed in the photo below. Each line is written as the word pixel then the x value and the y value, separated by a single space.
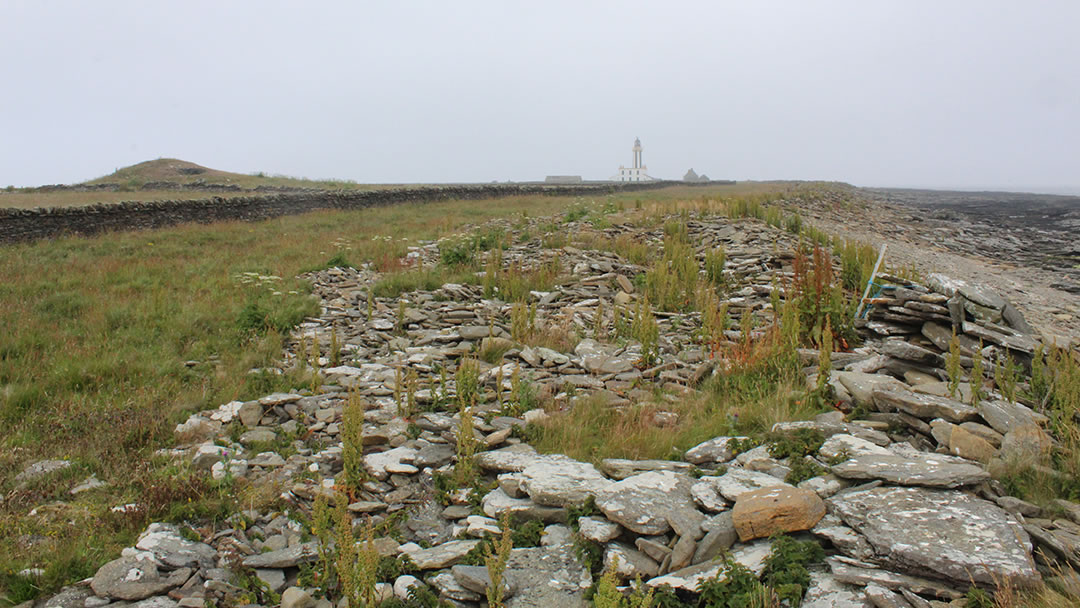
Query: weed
pixel 496 560
pixel 952 365
pixel 645 330
pixel 734 586
pixel 1005 378
pixel 714 266
pixel 357 566
pixel 786 567
pixel 672 282
pixel 798 443
pixel 978 377
pixel 803 469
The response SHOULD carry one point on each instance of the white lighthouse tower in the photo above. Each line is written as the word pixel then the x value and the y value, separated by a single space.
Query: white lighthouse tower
pixel 637 172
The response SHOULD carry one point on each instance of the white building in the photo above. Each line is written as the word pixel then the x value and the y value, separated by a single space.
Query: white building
pixel 637 173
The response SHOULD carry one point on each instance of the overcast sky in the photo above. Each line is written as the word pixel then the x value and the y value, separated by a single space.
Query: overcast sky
pixel 940 94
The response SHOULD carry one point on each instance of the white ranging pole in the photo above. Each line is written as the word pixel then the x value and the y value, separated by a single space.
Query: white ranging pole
pixel 866 292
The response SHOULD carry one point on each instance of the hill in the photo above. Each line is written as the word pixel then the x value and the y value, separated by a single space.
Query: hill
pixel 181 172
pixel 168 170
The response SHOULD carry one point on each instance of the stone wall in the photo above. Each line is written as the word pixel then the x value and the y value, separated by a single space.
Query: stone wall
pixel 31 224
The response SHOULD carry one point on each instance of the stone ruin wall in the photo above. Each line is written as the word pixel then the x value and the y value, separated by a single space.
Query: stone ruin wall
pixel 32 224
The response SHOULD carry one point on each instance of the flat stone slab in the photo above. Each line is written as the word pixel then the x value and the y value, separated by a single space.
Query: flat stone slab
pixel 859 573
pixel 736 482
pixel 562 483
pixel 496 502
pixel 397 460
pixel 619 468
pixel 283 558
pixel 862 386
pixel 752 555
pixel 850 445
pixel 131 578
pixel 827 592
pixel 1004 416
pixel 173 550
pixel 652 503
pixel 547 576
pixel 948 534
pixel 922 405
pixel 928 470
pixel 514 458
pixel 441 556
pixel 716 450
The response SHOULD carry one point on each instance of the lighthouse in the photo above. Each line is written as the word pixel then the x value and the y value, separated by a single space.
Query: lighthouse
pixel 636 173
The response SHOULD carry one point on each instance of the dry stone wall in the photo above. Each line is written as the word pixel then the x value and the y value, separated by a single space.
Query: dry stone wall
pixel 32 224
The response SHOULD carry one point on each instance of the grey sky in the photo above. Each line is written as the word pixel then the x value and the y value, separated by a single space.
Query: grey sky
pixel 947 94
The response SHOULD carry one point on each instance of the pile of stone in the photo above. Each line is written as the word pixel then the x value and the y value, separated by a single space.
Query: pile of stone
pixel 904 503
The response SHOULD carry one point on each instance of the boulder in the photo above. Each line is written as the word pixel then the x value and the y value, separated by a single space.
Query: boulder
pixel 720 535
pixel 950 534
pixel 762 513
pixel 598 529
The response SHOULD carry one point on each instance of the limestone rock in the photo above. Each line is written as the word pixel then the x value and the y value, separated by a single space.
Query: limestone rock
pixel 714 451
pixel 295 597
pixel 130 578
pixel 736 482
pixel 283 558
pixel 844 444
pixel 965 444
pixel 651 503
pixel 618 468
pixel 862 385
pixel 598 529
pixel 827 592
pixel 929 470
pixel 951 534
pixel 751 555
pixel 547 576
pixel 440 556
pixel 173 550
pixel 924 406
pixel 562 484
pixel 720 536
pixel 632 563
pixel 496 502
pixel 762 513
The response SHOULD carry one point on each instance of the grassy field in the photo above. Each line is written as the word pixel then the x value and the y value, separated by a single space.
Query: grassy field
pixel 109 341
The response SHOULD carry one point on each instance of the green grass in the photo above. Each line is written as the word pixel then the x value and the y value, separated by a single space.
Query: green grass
pixel 98 332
